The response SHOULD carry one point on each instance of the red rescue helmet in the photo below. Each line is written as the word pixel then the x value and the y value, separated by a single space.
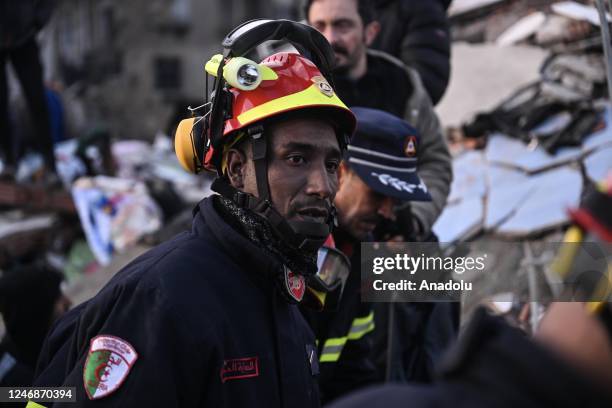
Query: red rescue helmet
pixel 287 82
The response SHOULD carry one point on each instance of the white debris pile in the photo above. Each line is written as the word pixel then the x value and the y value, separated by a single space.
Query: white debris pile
pixel 513 190
pixel 509 22
pixel 115 213
pixel 542 145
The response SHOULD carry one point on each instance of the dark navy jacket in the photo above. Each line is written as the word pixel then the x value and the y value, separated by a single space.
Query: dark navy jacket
pixel 344 335
pixel 492 365
pixel 193 308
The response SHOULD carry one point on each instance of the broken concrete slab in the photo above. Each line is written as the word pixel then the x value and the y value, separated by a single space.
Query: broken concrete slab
pixel 506 192
pixel 469 169
pixel 553 192
pixel 482 75
pixel 598 165
pixel 578 11
pixel 460 221
pixel 522 29
pixel 511 152
pixel 460 7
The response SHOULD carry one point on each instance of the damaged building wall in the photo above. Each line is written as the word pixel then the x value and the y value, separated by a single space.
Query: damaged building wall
pixel 141 61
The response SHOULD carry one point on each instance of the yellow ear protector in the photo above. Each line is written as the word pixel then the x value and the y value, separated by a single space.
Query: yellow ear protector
pixel 189 143
pixel 184 146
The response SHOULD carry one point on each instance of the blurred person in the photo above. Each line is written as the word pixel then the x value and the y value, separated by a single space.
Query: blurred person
pixel 20 21
pixel 31 300
pixel 567 364
pixel 417 32
pixel 210 318
pixel 495 365
pixel 374 79
pixel 379 170
pixel 55 104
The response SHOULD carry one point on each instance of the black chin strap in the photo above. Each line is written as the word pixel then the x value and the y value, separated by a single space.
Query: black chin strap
pixel 303 235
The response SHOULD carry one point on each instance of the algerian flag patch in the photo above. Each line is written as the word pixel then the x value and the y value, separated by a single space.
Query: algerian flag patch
pixel 108 364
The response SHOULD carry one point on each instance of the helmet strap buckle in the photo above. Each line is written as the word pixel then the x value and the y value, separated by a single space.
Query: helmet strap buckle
pixel 241 199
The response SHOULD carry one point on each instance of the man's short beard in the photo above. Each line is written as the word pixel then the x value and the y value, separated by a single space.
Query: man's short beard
pixel 350 64
pixel 352 60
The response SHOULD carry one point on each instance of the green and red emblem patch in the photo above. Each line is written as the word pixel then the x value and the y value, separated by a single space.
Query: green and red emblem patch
pixel 108 363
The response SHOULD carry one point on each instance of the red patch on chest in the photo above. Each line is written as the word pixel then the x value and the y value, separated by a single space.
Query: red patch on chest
pixel 239 368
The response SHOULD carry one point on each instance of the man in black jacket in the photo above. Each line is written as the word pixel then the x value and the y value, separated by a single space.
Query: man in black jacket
pixel 417 32
pixel 209 318
pixel 20 21
pixel 379 171
pixel 414 31
pixel 567 364
pixel 495 365
pixel 375 79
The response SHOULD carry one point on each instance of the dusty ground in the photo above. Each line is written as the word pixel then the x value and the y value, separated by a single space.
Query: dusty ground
pixel 88 285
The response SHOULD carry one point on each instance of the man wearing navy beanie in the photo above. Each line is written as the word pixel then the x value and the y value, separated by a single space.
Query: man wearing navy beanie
pixel 379 171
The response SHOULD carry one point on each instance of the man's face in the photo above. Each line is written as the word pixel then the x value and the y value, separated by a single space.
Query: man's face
pixel 303 161
pixel 340 23
pixel 360 209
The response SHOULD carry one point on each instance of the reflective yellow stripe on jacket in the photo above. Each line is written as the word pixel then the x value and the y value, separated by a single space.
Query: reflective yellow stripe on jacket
pixel 333 347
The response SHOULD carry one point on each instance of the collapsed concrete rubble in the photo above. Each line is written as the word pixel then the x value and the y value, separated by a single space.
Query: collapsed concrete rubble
pixel 520 163
pixel 116 197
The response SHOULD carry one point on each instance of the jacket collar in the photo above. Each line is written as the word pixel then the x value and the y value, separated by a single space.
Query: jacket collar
pixel 249 257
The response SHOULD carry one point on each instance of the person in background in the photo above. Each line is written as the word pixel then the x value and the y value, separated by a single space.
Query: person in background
pixel 568 363
pixel 417 32
pixel 374 79
pixel 378 171
pixel 31 299
pixel 20 21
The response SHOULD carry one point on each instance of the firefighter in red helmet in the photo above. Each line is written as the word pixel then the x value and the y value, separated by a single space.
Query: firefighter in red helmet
pixel 209 319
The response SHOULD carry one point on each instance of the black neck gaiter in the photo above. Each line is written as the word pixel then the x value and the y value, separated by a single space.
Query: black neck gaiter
pixel 258 230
